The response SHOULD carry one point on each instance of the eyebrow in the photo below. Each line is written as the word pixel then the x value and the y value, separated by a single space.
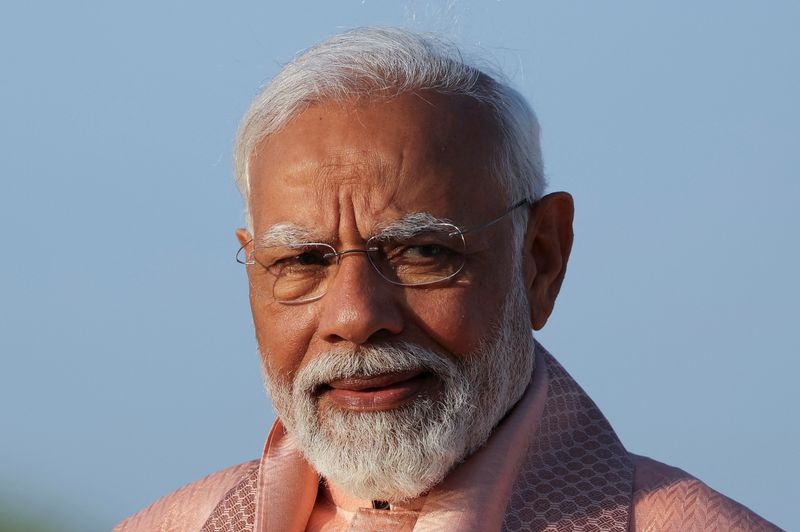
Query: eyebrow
pixel 411 224
pixel 285 234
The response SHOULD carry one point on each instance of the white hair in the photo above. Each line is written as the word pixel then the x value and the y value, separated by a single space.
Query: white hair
pixel 385 63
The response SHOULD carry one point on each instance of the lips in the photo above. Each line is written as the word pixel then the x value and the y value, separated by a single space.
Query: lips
pixel 378 392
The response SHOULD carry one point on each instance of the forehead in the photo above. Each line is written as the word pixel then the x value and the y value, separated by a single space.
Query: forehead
pixel 369 162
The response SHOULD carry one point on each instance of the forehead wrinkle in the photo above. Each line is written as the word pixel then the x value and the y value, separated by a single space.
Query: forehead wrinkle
pixel 364 178
pixel 344 171
pixel 352 166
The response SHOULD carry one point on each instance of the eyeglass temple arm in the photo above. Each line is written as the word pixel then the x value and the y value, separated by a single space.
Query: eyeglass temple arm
pixel 239 252
pixel 490 223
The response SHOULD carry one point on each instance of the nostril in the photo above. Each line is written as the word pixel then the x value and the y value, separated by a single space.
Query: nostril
pixel 360 318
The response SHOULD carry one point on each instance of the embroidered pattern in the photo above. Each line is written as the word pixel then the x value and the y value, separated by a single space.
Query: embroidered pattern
pixel 577 475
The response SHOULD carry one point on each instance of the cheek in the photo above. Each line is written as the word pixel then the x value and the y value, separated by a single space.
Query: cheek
pixel 283 333
pixel 457 320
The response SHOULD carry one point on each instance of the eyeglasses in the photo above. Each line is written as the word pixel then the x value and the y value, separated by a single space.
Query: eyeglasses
pixel 302 272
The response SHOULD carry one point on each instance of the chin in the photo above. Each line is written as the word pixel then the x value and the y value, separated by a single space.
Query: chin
pixel 401 453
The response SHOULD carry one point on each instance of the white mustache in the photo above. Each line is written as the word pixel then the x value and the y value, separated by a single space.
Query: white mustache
pixel 370 361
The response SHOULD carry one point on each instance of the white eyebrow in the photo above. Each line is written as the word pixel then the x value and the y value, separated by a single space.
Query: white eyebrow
pixel 411 224
pixel 285 234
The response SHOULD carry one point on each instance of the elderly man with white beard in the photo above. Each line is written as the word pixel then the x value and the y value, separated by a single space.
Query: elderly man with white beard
pixel 399 249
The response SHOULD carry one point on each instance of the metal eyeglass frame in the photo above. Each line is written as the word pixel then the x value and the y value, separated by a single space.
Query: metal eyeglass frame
pixel 372 249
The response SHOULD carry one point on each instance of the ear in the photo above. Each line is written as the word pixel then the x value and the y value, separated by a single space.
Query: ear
pixel 244 238
pixel 243 235
pixel 547 244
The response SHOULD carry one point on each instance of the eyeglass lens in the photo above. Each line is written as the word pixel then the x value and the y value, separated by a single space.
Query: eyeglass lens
pixel 303 272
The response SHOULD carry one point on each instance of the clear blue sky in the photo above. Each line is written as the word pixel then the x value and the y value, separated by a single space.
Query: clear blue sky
pixel 128 359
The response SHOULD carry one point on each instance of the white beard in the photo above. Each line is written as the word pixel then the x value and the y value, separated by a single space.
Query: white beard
pixel 396 455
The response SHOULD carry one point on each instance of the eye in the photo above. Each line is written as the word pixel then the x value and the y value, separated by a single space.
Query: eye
pixel 308 258
pixel 420 250
pixel 426 251
pixel 424 258
pixel 295 260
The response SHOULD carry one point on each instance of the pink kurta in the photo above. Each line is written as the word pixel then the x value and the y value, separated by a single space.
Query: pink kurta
pixel 553 463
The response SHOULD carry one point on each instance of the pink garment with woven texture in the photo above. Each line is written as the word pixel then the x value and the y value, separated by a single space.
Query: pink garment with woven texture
pixel 553 463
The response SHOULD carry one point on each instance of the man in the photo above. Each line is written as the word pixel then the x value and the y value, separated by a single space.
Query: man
pixel 399 250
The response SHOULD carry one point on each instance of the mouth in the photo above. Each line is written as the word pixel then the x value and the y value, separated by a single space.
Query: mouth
pixel 378 392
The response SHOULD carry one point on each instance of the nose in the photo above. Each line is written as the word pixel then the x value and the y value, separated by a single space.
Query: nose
pixel 359 306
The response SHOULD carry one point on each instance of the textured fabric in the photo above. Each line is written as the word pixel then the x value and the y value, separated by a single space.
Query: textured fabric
pixel 188 507
pixel 578 475
pixel 335 510
pixel 573 474
pixel 236 512
pixel 667 498
pixel 287 485
pixel 369 519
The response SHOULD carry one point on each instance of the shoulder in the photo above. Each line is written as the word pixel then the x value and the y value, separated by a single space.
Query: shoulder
pixel 668 498
pixel 189 507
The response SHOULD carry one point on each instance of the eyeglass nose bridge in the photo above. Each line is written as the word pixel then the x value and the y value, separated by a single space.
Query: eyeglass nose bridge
pixel 340 254
pixel 369 252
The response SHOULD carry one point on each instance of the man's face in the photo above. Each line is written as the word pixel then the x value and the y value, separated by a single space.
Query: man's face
pixel 340 173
